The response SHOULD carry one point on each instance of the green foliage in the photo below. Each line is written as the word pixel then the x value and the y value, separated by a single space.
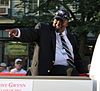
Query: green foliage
pixel 45 11
pixel 89 11
pixel 90 15
pixel 25 21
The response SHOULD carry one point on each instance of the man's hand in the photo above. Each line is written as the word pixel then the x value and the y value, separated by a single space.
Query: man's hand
pixel 60 25
pixel 12 32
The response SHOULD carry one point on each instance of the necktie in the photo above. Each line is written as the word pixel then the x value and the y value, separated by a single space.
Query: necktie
pixel 64 45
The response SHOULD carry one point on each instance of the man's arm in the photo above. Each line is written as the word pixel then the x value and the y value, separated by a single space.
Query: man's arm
pixel 25 34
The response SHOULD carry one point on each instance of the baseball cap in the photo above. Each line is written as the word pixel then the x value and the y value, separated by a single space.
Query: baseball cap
pixel 18 60
pixel 62 14
pixel 3 65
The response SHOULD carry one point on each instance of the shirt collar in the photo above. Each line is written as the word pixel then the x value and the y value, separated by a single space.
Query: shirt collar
pixel 63 33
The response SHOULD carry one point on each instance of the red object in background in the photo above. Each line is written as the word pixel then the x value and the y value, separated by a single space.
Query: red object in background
pixel 85 74
pixel 11 74
pixel 15 74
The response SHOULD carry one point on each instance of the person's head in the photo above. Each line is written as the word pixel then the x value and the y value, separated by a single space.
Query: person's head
pixel 61 19
pixel 18 63
pixel 2 66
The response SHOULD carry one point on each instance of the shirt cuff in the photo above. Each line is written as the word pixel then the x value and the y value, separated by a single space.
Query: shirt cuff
pixel 19 33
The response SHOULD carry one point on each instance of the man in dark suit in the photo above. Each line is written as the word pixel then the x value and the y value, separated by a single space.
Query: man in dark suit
pixel 53 59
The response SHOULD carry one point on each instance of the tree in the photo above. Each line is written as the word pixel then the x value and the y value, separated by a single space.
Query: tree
pixel 89 21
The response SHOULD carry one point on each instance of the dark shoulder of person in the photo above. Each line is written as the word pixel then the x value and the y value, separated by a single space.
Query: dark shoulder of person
pixel 72 32
pixel 43 24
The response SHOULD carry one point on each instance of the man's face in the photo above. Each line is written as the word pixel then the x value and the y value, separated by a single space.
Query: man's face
pixel 60 25
pixel 18 65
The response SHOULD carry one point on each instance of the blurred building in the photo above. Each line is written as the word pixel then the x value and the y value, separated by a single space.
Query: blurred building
pixel 11 49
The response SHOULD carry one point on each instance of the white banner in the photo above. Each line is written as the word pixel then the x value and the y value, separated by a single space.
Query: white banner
pixel 63 85
pixel 16 85
pixel 45 85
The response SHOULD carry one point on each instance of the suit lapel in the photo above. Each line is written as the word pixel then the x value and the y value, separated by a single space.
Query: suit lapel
pixel 69 37
pixel 53 38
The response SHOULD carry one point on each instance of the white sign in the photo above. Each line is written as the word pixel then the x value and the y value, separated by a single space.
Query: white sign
pixel 63 85
pixel 16 85
pixel 45 85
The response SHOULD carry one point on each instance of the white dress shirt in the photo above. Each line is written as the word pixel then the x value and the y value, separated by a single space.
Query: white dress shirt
pixel 61 55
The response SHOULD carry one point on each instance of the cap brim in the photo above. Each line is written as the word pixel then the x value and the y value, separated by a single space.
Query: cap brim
pixel 58 17
pixel 18 60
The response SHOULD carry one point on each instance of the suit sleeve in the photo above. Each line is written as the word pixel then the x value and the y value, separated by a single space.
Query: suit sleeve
pixel 30 34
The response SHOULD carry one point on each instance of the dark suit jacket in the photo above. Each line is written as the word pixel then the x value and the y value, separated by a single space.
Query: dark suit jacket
pixel 44 35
